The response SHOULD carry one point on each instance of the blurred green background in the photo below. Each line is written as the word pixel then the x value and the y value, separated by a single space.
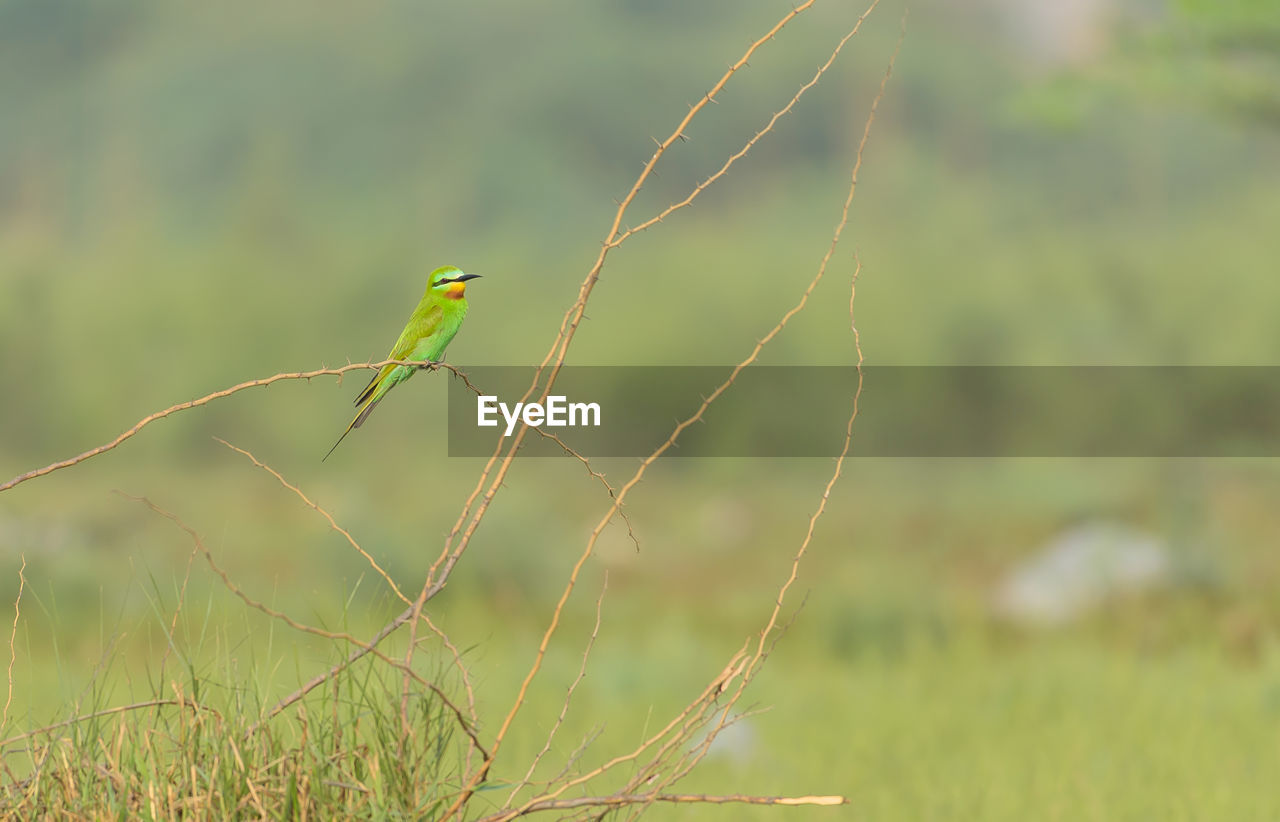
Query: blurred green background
pixel 196 195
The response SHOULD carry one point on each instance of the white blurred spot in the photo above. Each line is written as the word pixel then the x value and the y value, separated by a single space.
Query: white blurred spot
pixel 1080 569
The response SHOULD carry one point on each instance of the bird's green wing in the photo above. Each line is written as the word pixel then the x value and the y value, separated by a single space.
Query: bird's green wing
pixel 421 324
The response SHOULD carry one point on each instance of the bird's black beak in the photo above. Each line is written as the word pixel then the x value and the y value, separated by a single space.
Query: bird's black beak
pixel 462 278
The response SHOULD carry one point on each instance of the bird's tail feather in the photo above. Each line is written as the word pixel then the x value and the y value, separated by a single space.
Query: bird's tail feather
pixel 355 423
pixel 365 412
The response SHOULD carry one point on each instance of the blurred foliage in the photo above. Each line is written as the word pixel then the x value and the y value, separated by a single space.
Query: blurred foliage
pixel 1235 47
pixel 1220 57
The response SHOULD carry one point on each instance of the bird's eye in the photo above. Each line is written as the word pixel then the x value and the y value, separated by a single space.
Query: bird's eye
pixel 444 281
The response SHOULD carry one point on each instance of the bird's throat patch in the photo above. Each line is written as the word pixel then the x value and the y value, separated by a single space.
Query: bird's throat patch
pixel 455 290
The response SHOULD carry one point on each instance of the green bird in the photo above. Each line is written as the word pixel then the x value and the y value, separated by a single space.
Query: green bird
pixel 431 327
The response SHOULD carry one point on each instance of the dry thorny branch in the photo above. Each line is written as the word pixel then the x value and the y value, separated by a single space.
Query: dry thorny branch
pixel 664 757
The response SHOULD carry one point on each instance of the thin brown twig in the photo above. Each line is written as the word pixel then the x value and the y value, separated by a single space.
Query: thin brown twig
pixel 740 153
pixel 853 280
pixel 466 726
pixel 620 800
pixel 205 400
pixel 458 663
pixel 13 638
pixel 577 754
pixel 568 698
pixel 333 524
pixel 716 687
pixel 150 703
pixel 772 622
pixel 694 722
pixel 688 759
pixel 600 477
pixel 647 779
pixel 573 316
pixel 576 455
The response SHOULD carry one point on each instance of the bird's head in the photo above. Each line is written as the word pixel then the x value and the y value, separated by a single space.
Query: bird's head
pixel 449 281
